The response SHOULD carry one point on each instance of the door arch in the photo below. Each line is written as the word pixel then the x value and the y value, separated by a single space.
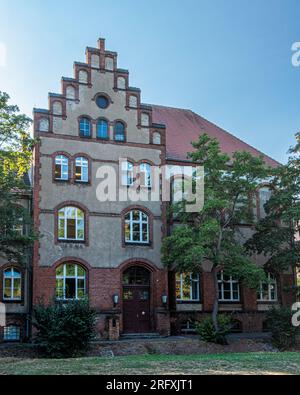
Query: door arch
pixel 136 300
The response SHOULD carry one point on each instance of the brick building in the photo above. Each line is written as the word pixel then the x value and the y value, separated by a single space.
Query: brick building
pixel 111 250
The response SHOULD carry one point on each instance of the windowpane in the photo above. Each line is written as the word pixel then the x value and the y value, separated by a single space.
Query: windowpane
pixel 102 129
pixel 85 127
pixel 70 270
pixel 70 282
pixel 71 229
pixel 187 287
pixel 70 288
pixel 119 131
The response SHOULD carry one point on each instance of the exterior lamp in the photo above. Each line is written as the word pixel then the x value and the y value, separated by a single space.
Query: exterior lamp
pixel 164 299
pixel 115 300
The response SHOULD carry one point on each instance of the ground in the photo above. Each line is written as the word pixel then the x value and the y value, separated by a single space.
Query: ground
pixel 236 363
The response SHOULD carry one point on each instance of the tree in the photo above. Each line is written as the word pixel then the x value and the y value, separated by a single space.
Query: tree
pixel 15 160
pixel 212 235
pixel 276 234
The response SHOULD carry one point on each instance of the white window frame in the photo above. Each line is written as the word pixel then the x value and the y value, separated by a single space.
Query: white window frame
pixel 83 163
pixel 271 281
pixel 127 168
pixel 192 280
pixel 131 222
pixel 12 283
pixel 232 282
pixel 65 218
pixel 76 277
pixel 146 175
pixel 84 127
pixel 63 162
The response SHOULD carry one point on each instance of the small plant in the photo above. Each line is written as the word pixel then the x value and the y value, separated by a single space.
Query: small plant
pixel 64 330
pixel 279 322
pixel 208 333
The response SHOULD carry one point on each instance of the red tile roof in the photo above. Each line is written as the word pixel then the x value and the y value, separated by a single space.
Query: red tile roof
pixel 185 126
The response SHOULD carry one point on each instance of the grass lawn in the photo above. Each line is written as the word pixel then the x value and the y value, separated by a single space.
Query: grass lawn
pixel 240 363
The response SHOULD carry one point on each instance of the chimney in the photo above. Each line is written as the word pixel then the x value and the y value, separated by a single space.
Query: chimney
pixel 101 44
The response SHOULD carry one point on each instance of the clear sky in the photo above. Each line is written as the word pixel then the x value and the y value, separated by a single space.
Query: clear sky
pixel 228 60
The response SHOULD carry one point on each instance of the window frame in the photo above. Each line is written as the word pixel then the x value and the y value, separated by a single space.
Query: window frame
pixel 74 277
pixel 193 281
pixel 89 122
pixel 271 280
pixel 18 332
pixel 128 173
pixel 61 158
pixel 232 282
pixel 103 120
pixel 147 174
pixel 87 166
pixel 119 122
pixel 65 218
pixel 12 279
pixel 131 222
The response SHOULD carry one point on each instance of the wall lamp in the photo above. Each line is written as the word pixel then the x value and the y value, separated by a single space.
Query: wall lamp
pixel 115 299
pixel 164 299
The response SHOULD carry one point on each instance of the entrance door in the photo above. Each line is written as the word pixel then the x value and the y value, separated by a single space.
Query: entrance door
pixel 136 300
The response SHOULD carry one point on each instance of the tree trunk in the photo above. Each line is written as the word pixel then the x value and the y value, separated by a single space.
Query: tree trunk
pixel 216 301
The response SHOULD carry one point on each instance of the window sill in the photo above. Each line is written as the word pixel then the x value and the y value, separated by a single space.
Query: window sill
pixel 128 244
pixel 188 301
pixel 72 241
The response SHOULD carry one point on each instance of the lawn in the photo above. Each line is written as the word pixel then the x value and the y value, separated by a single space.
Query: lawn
pixel 239 363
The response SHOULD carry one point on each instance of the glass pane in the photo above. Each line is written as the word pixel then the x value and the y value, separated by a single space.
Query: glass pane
pixel 71 229
pixel 61 229
pixel 70 270
pixel 60 271
pixel 78 173
pixel 178 293
pixel 80 271
pixel 127 295
pixel 57 171
pixel 70 288
pixel 17 288
pixel 136 236
pixel 127 232
pixel 136 215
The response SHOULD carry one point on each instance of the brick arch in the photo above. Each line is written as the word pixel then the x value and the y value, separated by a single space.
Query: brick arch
pixel 71 203
pixel 145 263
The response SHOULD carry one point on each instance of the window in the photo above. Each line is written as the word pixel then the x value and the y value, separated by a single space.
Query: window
pixel 145 175
pixel 136 227
pixel 187 287
pixel 12 287
pixel 119 131
pixel 268 290
pixel 85 127
pixel 136 275
pixel 44 125
pixel 102 102
pixel 11 333
pixel 229 289
pixel 127 173
pixel 102 132
pixel 70 282
pixel 81 169
pixel 61 168
pixel 264 197
pixel 71 224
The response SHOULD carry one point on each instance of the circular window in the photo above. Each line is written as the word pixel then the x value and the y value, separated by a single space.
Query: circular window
pixel 102 101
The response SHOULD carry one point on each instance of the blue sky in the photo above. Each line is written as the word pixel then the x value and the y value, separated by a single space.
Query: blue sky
pixel 228 60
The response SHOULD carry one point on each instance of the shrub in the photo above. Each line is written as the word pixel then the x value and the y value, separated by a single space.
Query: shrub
pixel 206 330
pixel 64 330
pixel 279 322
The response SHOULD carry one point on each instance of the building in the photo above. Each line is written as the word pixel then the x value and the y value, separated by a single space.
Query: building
pixel 111 250
pixel 16 279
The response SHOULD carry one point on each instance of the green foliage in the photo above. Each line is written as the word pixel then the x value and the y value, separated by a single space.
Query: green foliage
pixel 207 332
pixel 213 233
pixel 64 330
pixel 279 321
pixel 15 160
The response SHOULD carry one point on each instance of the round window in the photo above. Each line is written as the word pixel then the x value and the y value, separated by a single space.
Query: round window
pixel 102 101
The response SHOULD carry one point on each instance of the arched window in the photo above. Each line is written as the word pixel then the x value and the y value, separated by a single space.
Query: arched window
pixel 81 169
pixel 137 227
pixel 119 131
pixel 102 130
pixel 61 168
pixel 187 287
pixel 71 224
pixel 70 282
pixel 12 287
pixel 44 125
pixel 229 289
pixel 145 175
pixel 264 195
pixel 127 173
pixel 85 127
pixel 268 289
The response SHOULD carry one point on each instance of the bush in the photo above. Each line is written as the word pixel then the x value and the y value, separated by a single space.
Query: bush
pixel 279 322
pixel 207 332
pixel 64 330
